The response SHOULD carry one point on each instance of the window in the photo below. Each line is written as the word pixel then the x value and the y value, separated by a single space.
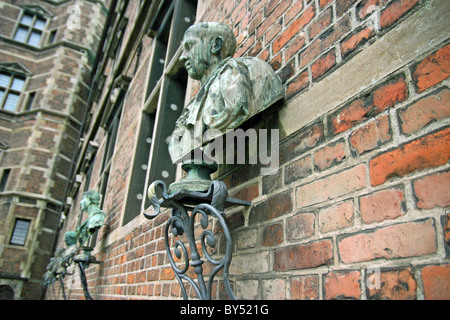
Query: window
pixel 20 232
pixel 4 180
pixel 165 97
pixel 11 86
pixel 30 29
pixel 113 128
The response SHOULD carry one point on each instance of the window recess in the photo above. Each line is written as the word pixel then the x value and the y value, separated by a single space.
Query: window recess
pixel 165 96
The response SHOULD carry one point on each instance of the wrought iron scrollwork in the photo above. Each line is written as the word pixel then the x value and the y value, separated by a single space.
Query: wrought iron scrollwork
pixel 182 223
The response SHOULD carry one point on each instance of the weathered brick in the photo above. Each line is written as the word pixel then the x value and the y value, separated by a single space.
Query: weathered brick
pixel 272 235
pixel 433 69
pixel 273 207
pixel 343 5
pixel 426 110
pixel 297 169
pixel 247 193
pixel 433 191
pixel 342 285
pixel 300 226
pixel 323 64
pixel 436 282
pixel 322 21
pixel 303 256
pixel 359 110
pixel 294 46
pixel 371 136
pixel 355 40
pixel 304 287
pixel 336 217
pixel 429 151
pixel 395 11
pixel 366 7
pixel 382 205
pixel 274 16
pixel 329 156
pixel 393 284
pixel 293 10
pixel 297 25
pixel 332 186
pixel 250 263
pixel 390 94
pixel 274 289
pixel 397 241
pixel 303 141
pixel 298 83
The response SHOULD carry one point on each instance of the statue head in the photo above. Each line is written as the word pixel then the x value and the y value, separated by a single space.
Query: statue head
pixel 90 197
pixel 70 237
pixel 205 45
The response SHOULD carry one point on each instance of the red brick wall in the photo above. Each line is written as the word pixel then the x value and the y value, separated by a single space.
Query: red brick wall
pixel 359 205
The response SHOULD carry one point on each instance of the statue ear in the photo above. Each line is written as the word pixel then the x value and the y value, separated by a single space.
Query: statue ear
pixel 217 45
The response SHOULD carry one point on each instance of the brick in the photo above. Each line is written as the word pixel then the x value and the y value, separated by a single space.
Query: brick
pixel 367 7
pixel 395 284
pixel 371 136
pixel 294 28
pixel 297 170
pixel 248 193
pixel 294 46
pixel 382 205
pixel 433 191
pixel 425 111
pixel 430 151
pixel 343 5
pixel 332 186
pixel 356 112
pixel 432 69
pixel 395 11
pixel 293 10
pixel 329 156
pixel 287 71
pixel 324 41
pixel 304 287
pixel 307 139
pixel 336 217
pixel 247 289
pixel 342 285
pixel 355 40
pixel 273 207
pixel 298 83
pixel 303 256
pixel 274 289
pixel 300 226
pixel 323 21
pixel 272 182
pixel 323 64
pixel 390 94
pixel 385 96
pixel 274 16
pixel 436 282
pixel 250 263
pixel 445 220
pixel 272 235
pixel 397 241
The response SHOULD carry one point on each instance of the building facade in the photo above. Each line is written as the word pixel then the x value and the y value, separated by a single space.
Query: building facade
pixel 358 205
pixel 46 59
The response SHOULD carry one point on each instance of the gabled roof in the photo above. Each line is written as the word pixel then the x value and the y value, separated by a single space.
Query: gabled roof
pixel 15 67
pixel 35 8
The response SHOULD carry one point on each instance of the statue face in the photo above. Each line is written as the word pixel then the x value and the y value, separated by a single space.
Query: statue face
pixel 196 55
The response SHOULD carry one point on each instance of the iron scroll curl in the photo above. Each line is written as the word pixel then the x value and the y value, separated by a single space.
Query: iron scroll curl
pixel 182 223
